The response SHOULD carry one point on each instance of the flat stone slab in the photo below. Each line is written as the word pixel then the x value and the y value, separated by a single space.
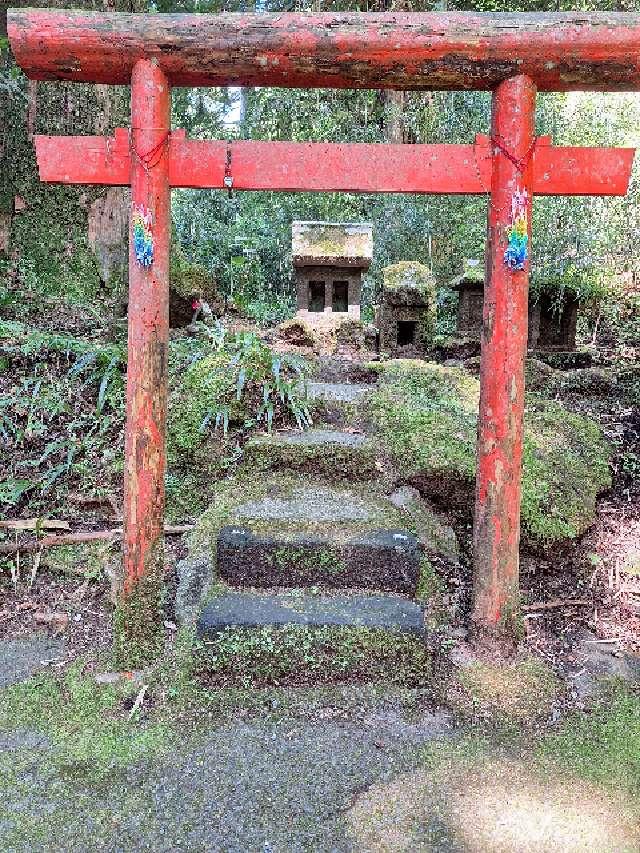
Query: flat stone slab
pixel 250 610
pixel 387 560
pixel 333 453
pixel 22 657
pixel 319 535
pixel 316 504
pixel 319 437
pixel 337 392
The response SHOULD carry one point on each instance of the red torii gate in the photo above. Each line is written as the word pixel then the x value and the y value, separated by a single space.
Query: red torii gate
pixel 513 55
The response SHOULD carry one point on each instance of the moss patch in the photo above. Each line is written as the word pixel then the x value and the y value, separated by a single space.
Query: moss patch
pixel 138 635
pixel 87 724
pixel 512 694
pixel 334 461
pixel 426 415
pixel 301 656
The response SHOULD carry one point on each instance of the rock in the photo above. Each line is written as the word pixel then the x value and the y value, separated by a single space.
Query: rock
pixel 22 657
pixel 296 332
pixel 194 573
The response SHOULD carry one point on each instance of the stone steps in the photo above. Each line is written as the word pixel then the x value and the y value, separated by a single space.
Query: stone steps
pixel 387 560
pixel 248 639
pixel 322 450
pixel 339 403
pixel 313 516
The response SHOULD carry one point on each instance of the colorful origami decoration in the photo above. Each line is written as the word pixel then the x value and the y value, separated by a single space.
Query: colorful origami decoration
pixel 143 236
pixel 517 252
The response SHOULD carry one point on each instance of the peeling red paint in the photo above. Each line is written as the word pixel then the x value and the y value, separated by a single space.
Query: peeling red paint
pixel 504 347
pixel 145 457
pixel 427 50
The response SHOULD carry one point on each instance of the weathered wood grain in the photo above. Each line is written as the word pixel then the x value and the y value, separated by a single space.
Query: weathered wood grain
pixel 334 167
pixel 558 51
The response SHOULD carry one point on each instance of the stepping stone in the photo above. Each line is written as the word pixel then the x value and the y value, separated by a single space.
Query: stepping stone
pixel 338 392
pixel 319 535
pixel 258 640
pixel 338 403
pixel 22 657
pixel 336 370
pixel 330 452
pixel 278 530
pixel 251 610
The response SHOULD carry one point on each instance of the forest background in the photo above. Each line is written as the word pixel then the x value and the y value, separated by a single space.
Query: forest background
pixel 63 250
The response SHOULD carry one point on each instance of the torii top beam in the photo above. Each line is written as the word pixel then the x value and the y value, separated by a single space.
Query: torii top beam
pixel 597 51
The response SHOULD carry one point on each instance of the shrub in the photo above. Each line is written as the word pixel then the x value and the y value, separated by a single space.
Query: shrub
pixel 242 384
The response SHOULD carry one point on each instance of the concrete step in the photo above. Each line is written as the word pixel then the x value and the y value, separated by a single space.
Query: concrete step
pixel 339 403
pixel 330 369
pixel 338 392
pixel 381 559
pixel 319 535
pixel 329 452
pixel 251 639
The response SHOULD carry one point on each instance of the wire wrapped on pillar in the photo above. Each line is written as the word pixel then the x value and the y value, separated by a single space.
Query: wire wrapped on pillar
pixel 142 218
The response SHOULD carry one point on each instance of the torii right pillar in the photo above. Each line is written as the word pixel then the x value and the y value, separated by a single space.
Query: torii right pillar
pixel 496 534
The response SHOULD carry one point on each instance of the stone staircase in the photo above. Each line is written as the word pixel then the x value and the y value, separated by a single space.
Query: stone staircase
pixel 309 567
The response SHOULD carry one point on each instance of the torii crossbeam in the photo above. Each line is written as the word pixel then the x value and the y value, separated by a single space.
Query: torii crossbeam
pixel 512 55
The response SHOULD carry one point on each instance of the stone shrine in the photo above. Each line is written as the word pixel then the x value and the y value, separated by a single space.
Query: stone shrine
pixel 549 328
pixel 329 259
pixel 407 314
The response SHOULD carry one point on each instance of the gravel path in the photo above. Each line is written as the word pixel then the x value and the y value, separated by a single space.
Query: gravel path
pixel 264 787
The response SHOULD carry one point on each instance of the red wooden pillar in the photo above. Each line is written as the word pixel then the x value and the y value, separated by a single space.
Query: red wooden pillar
pixel 145 451
pixel 504 348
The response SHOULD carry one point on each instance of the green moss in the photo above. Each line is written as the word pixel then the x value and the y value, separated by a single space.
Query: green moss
pixel 409 274
pixel 505 694
pixel 298 655
pixel 334 461
pixel 603 745
pixel 426 415
pixel 190 279
pixel 87 723
pixel 138 632
pixel 300 561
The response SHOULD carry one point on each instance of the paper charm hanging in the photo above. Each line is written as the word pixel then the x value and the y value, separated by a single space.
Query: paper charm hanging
pixel 143 236
pixel 517 252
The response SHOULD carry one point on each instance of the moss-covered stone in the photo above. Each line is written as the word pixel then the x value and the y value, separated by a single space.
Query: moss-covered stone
pixel 408 312
pixel 426 415
pixel 297 655
pixel 328 453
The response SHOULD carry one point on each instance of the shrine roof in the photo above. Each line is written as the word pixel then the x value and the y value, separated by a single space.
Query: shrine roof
pixel 472 273
pixel 339 243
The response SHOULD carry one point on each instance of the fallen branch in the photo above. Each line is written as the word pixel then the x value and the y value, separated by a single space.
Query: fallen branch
pixel 53 541
pixel 34 524
pixel 138 702
pixel 555 603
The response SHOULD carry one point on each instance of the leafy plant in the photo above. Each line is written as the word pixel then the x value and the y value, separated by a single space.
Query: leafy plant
pixel 243 384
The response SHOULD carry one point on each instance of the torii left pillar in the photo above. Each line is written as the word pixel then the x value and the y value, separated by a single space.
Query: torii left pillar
pixel 138 627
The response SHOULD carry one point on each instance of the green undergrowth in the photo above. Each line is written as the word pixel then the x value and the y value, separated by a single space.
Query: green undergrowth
pixel 298 655
pixel 88 725
pixel 602 744
pixel 426 417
